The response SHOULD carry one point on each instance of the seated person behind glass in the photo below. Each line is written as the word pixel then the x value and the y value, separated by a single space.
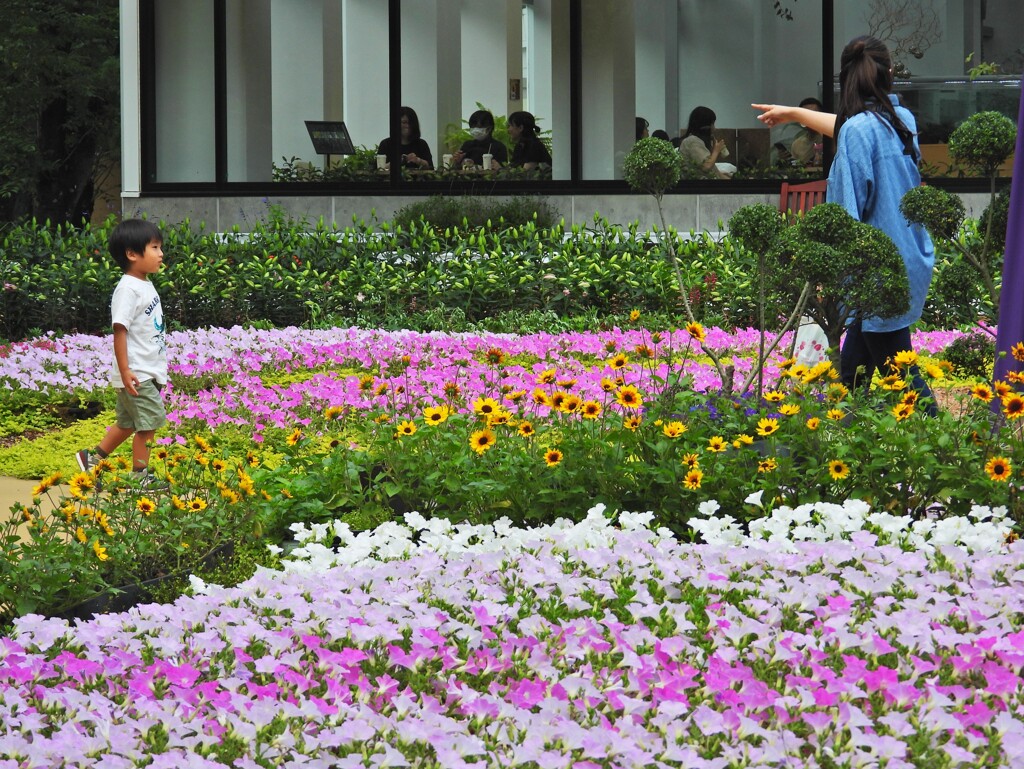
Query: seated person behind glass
pixel 415 152
pixel 471 153
pixel 529 152
pixel 805 149
pixel 700 146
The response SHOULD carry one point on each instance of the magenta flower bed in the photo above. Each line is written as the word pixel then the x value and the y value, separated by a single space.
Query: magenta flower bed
pixel 242 359
pixel 643 654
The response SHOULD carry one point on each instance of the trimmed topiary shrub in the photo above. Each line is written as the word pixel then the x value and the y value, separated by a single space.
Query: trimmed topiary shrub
pixel 972 355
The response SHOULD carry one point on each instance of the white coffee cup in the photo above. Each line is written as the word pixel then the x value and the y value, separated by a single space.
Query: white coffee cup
pixel 382 161
pixel 446 160
pixel 487 161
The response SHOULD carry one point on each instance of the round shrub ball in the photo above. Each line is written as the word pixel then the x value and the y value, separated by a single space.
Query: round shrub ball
pixel 756 227
pixel 937 210
pixel 983 141
pixel 652 166
pixel 999 210
pixel 828 223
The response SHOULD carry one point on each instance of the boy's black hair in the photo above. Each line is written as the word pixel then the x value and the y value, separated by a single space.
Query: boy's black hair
pixel 132 235
pixel 481 119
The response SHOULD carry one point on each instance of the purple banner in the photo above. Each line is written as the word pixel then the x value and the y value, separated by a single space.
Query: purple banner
pixel 1011 301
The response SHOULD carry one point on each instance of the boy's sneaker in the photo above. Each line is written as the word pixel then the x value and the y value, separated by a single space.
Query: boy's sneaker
pixel 84 459
pixel 149 482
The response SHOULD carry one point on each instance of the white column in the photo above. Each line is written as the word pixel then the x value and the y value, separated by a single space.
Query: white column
pixel 131 101
pixel 421 78
pixel 549 79
pixel 484 61
pixel 609 87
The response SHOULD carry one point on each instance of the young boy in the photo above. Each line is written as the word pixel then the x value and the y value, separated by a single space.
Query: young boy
pixel 140 354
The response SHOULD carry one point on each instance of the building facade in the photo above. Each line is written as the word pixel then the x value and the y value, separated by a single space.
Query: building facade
pixel 218 95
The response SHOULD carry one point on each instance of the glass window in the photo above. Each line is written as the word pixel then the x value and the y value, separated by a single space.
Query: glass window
pixel 500 56
pixel 935 44
pixel 660 60
pixel 184 92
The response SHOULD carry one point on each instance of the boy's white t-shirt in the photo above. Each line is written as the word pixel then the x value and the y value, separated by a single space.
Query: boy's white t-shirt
pixel 136 306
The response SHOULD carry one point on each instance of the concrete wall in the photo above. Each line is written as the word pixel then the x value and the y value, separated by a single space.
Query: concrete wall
pixel 684 212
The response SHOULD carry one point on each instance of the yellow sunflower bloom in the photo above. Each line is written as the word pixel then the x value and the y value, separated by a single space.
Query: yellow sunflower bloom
pixel 634 315
pixel 294 437
pixel 481 441
pixel 406 427
pixel 716 444
pixel 590 409
pixel 982 392
pixel 902 411
pixel 618 362
pixel 435 415
pixel 558 399
pixel 673 429
pixel 1018 351
pixel 485 406
pixel 835 414
pixel 693 478
pixel 691 460
pixel 202 444
pixel 934 371
pixel 219 465
pixel 80 535
pixel 494 356
pixel 608 385
pixel 767 465
pixel 197 505
pixel 838 469
pixel 1013 406
pixel 999 469
pixel 904 358
pixel 767 426
pixel 774 396
pixel 145 505
pixel 552 457
pixel 743 440
pixel 632 422
pixel 333 411
pixel 540 398
pixel 629 397
pixel 526 430
pixel 696 331
pixel 789 409
pixel 547 376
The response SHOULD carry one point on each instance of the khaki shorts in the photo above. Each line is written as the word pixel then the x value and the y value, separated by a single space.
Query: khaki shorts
pixel 142 412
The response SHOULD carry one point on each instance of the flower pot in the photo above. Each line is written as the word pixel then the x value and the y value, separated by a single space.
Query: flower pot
pixel 113 600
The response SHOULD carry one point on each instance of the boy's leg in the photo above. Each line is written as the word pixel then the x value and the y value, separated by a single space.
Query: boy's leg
pixel 115 437
pixel 140 449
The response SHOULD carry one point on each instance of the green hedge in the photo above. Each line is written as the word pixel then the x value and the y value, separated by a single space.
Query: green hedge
pixel 290 272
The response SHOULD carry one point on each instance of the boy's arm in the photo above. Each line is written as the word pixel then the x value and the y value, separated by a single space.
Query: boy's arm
pixel 128 377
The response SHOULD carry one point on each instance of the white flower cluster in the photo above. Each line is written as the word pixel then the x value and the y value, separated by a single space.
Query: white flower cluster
pixel 393 540
pixel 984 529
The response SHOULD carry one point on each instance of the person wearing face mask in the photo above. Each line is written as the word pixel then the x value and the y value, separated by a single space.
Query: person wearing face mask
pixel 481 125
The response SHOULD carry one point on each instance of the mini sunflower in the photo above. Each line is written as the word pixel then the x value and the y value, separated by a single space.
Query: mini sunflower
pixel 673 429
pixel 80 535
pixel 1018 351
pixel 904 358
pixel 893 382
pixel 481 441
pixel 145 505
pixel 540 398
pixel 526 430
pixel 611 345
pixel 819 371
pixel 161 453
pixel 547 376
pixel 1017 377
pixel 696 331
pixel 572 404
pixel 1013 406
pixel 566 384
pixel 435 415
pixel 618 362
pixel 499 417
pixel 999 469
pixel 934 371
pixel 558 399
pixel 552 457
pixel 982 392
pixel 693 478
pixel 608 385
pixel 902 411
pixel 717 444
pixel 838 469
pixel 632 422
pixel 381 389
pixel 485 406
pixel 100 551
pixel 767 426
pixel 451 390
pixel 219 465
pixel 197 505
pixel 202 444
pixel 365 383
pixel 406 427
pixel 774 396
pixel 494 356
pixel 910 397
pixel 691 460
pixel 333 411
pixel 294 437
pixel 80 484
pixel 743 440
pixel 178 503
pixel 634 316
pixel 629 397
pixel 590 409
pixel 514 396
pixel 837 391
pixel 789 409
pixel 644 351
pixel 1002 389
pixel 767 465
pixel 835 414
